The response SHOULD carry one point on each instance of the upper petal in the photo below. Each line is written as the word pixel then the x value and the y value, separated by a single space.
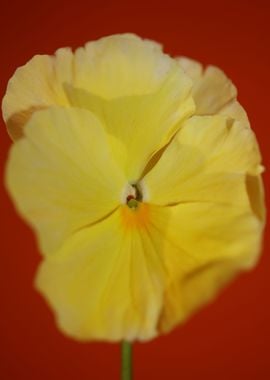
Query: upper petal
pixel 213 91
pixel 34 86
pixel 62 175
pixel 114 66
pixel 143 124
pixel 121 65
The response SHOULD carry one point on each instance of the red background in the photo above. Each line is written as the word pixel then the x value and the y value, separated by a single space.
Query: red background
pixel 230 339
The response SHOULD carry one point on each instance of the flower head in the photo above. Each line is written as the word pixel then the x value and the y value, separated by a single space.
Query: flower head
pixel 142 180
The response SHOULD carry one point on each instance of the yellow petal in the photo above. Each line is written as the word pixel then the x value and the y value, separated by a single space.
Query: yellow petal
pixel 219 241
pixel 228 144
pixel 234 110
pixel 121 65
pixel 105 283
pixel 62 175
pixel 208 160
pixel 114 66
pixel 193 68
pixel 35 86
pixel 213 92
pixel 255 192
pixel 143 124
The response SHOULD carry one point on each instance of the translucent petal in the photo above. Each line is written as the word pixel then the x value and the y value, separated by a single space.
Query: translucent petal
pixel 114 66
pixel 213 92
pixel 234 110
pixel 193 68
pixel 143 124
pixel 121 65
pixel 62 175
pixel 105 282
pixel 35 86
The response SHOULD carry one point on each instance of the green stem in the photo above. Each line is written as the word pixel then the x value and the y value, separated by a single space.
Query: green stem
pixel 126 369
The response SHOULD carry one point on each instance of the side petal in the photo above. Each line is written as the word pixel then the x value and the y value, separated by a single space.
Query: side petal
pixel 208 160
pixel 219 137
pixel 104 283
pixel 62 176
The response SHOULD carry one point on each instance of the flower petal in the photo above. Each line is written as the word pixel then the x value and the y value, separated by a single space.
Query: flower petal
pixel 143 124
pixel 255 192
pixel 213 92
pixel 219 241
pixel 35 86
pixel 121 65
pixel 193 68
pixel 208 160
pixel 212 89
pixel 234 110
pixel 114 66
pixel 105 283
pixel 62 175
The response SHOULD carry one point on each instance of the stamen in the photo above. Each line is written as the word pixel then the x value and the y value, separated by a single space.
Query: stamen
pixel 133 200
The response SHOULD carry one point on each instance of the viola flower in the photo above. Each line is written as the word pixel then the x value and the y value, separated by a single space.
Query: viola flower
pixel 142 180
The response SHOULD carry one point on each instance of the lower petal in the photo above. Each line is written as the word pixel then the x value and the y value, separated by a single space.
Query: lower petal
pixel 105 283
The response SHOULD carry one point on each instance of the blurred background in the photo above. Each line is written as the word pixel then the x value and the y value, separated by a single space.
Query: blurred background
pixel 229 339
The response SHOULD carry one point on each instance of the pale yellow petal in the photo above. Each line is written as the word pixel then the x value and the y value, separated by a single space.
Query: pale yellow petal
pixel 197 289
pixel 228 145
pixel 215 242
pixel 105 283
pixel 114 66
pixel 143 124
pixel 35 86
pixel 209 176
pixel 234 110
pixel 255 192
pixel 208 160
pixel 193 68
pixel 213 92
pixel 121 65
pixel 62 175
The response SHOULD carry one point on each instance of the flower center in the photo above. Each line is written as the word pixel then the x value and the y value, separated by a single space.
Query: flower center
pixel 133 200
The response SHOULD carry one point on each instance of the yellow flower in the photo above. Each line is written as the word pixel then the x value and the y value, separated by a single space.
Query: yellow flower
pixel 142 180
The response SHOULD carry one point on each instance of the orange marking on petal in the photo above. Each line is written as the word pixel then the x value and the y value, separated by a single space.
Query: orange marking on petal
pixel 135 218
